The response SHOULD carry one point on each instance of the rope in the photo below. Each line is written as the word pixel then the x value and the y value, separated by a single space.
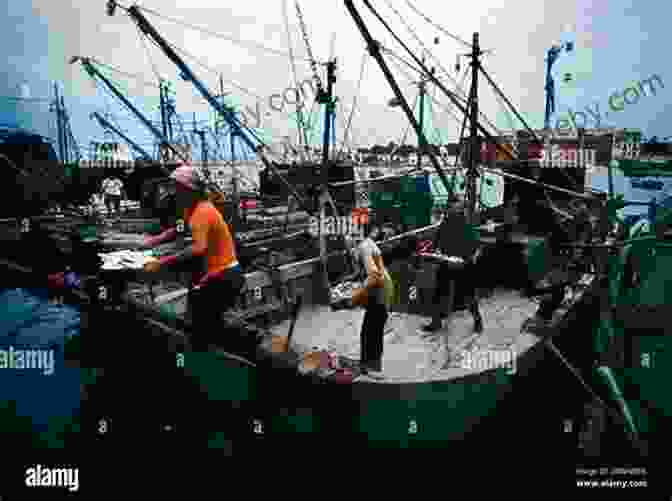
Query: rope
pixel 443 107
pixel 200 63
pixel 442 30
pixel 408 50
pixel 219 35
pixel 137 76
pixel 149 56
pixel 299 114
pixel 425 49
pixel 354 102
pixel 313 62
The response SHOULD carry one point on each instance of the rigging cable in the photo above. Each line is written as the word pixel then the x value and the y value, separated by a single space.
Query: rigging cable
pixel 456 96
pixel 408 125
pixel 410 79
pixel 220 35
pixel 242 126
pixel 408 50
pixel 444 31
pixel 137 76
pixel 147 54
pixel 354 101
pixel 459 89
pixel 313 62
pixel 208 68
pixel 299 104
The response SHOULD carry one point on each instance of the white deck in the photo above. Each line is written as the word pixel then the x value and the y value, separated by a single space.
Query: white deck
pixel 411 355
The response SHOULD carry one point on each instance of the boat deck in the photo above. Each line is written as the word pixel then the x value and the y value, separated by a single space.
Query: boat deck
pixel 411 355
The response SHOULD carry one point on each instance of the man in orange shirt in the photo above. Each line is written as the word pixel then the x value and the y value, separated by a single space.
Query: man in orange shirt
pixel 217 276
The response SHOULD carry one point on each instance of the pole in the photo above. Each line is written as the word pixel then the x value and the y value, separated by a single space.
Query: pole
pixel 66 146
pixel 236 195
pixel 59 123
pixel 548 88
pixel 164 117
pixel 472 173
pixel 329 111
pixel 421 119
pixel 94 72
pixel 374 50
pixel 610 169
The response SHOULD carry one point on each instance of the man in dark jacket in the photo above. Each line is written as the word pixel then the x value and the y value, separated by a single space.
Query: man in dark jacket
pixel 455 237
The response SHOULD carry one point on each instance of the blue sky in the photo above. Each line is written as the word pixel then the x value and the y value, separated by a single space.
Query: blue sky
pixel 616 43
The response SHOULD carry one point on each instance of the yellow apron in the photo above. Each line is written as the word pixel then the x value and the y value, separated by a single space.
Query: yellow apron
pixel 389 289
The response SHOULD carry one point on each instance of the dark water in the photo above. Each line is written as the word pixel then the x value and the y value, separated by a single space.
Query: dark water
pixel 33 399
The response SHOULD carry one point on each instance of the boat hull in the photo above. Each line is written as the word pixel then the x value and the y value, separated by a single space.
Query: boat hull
pixel 490 407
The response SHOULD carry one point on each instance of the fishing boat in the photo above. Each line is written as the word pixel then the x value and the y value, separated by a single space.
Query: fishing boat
pixel 457 386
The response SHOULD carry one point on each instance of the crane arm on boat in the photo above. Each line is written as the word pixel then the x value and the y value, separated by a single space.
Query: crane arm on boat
pixel 94 73
pixel 239 129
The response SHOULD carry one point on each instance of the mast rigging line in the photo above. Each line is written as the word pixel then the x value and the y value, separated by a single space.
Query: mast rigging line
pixel 426 50
pixel 215 34
pixel 292 62
pixel 436 26
pixel 137 76
pixel 249 130
pixel 573 183
pixel 410 79
pixel 312 60
pixel 458 97
pixel 186 53
pixel 149 56
pixel 437 82
pixel 354 102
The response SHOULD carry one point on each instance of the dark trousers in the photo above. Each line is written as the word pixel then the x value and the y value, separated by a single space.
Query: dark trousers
pixel 447 280
pixel 373 330
pixel 207 304
pixel 113 201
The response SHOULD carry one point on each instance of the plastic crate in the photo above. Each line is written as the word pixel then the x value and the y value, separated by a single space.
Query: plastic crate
pixel 88 232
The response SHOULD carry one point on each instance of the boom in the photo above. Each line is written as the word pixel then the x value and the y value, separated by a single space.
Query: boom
pixel 94 73
pixel 224 110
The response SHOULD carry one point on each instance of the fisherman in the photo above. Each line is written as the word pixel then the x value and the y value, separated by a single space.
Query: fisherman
pixel 559 275
pixel 217 278
pixel 112 188
pixel 455 238
pixel 376 296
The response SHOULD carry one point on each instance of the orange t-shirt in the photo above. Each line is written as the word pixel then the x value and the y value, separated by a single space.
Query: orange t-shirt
pixel 221 252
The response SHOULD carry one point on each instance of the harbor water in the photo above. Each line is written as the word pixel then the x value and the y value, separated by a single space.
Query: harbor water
pixel 39 395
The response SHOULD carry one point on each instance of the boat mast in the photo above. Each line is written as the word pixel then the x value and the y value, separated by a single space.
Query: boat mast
pixel 328 100
pixel 259 148
pixel 374 50
pixel 421 119
pixel 59 124
pixel 474 154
